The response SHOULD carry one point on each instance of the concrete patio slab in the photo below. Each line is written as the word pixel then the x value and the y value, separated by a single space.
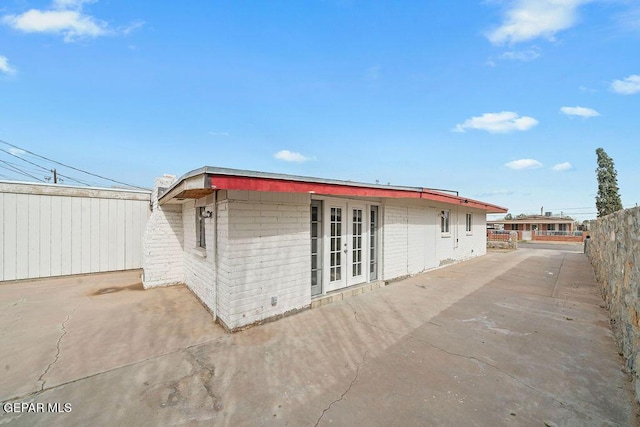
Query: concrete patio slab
pixel 512 338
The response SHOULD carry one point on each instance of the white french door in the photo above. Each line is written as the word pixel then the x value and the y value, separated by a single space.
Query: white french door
pixel 346 249
pixel 357 245
pixel 336 247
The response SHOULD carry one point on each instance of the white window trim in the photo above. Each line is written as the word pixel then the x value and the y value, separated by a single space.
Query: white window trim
pixel 446 215
pixel 469 216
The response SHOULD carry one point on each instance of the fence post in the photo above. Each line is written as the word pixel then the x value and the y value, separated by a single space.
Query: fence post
pixel 586 243
pixel 513 239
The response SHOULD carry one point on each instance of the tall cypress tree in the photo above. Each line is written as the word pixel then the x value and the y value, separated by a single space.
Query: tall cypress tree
pixel 608 198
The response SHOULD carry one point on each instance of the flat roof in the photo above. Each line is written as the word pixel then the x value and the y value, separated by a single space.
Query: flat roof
pixel 536 220
pixel 200 182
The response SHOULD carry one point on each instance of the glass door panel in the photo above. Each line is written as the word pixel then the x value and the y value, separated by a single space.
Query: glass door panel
pixel 356 250
pixel 316 248
pixel 373 243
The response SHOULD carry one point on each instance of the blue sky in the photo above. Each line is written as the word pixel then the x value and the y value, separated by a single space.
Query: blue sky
pixel 503 101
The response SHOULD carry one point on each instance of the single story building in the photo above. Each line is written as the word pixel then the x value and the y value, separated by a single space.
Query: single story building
pixel 531 226
pixel 254 245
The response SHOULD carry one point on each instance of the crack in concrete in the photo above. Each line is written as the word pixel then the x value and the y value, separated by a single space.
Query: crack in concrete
pixel 20 301
pixel 126 365
pixel 55 360
pixel 554 292
pixel 205 373
pixel 355 378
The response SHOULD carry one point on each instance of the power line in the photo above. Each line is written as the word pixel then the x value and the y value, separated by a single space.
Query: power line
pixel 17 170
pixel 24 160
pixel 74 180
pixel 65 165
pixel 41 167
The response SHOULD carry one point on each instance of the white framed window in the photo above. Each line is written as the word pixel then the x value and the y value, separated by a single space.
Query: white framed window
pixel 445 216
pixel 469 223
pixel 201 235
pixel 551 227
pixel 562 227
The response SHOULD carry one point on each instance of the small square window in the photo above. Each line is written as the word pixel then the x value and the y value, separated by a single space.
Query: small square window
pixel 444 222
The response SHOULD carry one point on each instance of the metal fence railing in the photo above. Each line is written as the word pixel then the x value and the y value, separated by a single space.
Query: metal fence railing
pixel 558 233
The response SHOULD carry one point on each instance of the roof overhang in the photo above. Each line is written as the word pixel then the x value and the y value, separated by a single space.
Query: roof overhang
pixel 188 187
pixel 204 181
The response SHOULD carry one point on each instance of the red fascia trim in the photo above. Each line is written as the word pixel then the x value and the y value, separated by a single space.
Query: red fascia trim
pixel 226 182
pixel 221 182
pixel 451 199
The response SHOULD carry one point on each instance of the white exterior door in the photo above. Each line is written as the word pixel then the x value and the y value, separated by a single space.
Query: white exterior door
pixel 346 253
pixel 336 248
pixel 357 245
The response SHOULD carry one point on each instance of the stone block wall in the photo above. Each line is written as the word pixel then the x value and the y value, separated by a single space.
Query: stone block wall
pixel 502 241
pixel 614 252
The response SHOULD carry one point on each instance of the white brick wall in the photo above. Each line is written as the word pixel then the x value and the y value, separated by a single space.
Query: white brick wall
pixel 259 243
pixel 395 237
pixel 413 241
pixel 163 241
pixel 199 263
pixel 420 238
pixel 266 254
pixel 468 246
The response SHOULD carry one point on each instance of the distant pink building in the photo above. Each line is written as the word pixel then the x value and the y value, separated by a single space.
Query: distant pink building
pixel 540 227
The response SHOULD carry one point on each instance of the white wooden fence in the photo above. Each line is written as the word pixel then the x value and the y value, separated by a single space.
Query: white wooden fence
pixel 53 230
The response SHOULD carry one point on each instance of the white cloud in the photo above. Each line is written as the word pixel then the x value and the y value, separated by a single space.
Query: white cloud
pixel 502 122
pixel 65 18
pixel 219 133
pixel 5 67
pixel 524 164
pixel 71 4
pixel 16 151
pixel 501 192
pixel 132 27
pixel 522 55
pixel 565 166
pixel 627 86
pixel 629 20
pixel 530 19
pixel 291 156
pixel 71 24
pixel 579 111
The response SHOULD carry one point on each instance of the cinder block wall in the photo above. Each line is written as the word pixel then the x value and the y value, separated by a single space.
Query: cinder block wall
pixel 413 241
pixel 614 252
pixel 266 254
pixel 199 263
pixel 163 242
pixel 395 238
